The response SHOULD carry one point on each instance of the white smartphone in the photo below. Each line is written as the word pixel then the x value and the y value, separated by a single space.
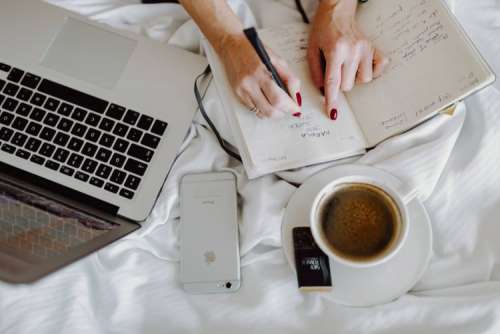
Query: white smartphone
pixel 210 259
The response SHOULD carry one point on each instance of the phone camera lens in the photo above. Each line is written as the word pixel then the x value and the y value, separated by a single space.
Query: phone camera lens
pixel 228 285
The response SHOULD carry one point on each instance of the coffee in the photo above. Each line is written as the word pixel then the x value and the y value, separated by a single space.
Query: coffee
pixel 359 221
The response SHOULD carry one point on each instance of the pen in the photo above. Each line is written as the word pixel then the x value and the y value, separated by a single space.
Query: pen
pixel 254 39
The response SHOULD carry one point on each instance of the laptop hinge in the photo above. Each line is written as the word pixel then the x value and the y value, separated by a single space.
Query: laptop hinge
pixel 55 191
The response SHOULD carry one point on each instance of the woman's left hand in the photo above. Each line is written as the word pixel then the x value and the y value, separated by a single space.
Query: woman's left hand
pixel 348 55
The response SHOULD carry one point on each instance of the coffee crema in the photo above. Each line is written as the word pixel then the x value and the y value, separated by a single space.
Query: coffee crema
pixel 360 221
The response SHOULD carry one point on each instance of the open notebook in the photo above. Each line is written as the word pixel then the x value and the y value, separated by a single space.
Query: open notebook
pixel 433 65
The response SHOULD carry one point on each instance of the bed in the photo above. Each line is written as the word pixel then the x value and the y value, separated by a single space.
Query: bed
pixel 132 286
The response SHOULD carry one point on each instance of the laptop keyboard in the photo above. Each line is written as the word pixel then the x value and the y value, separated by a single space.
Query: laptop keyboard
pixel 76 134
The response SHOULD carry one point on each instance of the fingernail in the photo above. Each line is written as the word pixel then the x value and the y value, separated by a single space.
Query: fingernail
pixel 322 90
pixel 333 114
pixel 297 114
pixel 299 99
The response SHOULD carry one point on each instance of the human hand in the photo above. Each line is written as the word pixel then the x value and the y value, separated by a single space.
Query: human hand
pixel 253 83
pixel 349 57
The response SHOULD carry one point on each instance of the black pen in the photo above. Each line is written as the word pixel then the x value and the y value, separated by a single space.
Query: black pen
pixel 254 39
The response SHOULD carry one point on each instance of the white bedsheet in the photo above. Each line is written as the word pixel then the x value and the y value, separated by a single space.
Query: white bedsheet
pixel 132 285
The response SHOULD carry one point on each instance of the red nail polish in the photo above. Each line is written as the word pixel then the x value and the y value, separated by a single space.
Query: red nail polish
pixel 297 114
pixel 333 114
pixel 299 99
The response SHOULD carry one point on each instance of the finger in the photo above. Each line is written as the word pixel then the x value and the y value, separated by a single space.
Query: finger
pixel 349 72
pixel 288 77
pixel 333 79
pixel 278 99
pixel 316 66
pixel 380 62
pixel 262 104
pixel 365 71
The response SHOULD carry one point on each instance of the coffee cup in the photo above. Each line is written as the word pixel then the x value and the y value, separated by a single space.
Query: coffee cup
pixel 360 221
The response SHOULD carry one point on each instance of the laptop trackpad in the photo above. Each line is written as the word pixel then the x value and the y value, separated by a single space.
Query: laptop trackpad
pixel 88 53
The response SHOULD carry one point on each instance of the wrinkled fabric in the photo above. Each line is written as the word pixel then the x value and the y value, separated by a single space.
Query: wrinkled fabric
pixel 132 286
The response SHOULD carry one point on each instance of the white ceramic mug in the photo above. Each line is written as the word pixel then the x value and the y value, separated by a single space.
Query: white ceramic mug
pixel 400 197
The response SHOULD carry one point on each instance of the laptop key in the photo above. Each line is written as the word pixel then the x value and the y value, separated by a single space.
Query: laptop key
pixel 134 135
pixel 15 75
pixel 118 176
pixel 106 124
pixel 118 160
pixel 33 144
pixel 79 114
pixel 2 97
pixel 135 167
pixel 93 119
pixel 30 80
pixel 145 122
pixel 132 182
pixel 120 130
pixel 115 111
pixel 75 160
pixel 2 84
pixel 37 114
pixel 51 119
pixel 6 118
pixel 11 89
pixel 82 176
pixel 126 193
pixel 47 150
pixel 61 155
pixel 65 124
pixel 89 166
pixel 52 165
pixel 73 96
pixel 140 152
pixel 106 140
pixel 34 129
pixel 47 133
pixel 67 170
pixel 65 109
pixel 25 94
pixel 93 135
pixel 96 182
pixel 111 188
pixel 159 127
pixel 37 159
pixel 103 155
pixel 75 144
pixel 23 109
pixel 4 67
pixel 23 154
pixel 79 130
pixel 61 139
pixel 8 148
pixel 150 141
pixel 89 149
pixel 51 104
pixel 120 145
pixel 10 104
pixel 6 133
pixel 131 117
pixel 19 139
pixel 103 171
pixel 38 99
pixel 20 123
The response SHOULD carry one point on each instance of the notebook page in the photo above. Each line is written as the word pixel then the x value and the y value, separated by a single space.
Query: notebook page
pixel 432 65
pixel 313 138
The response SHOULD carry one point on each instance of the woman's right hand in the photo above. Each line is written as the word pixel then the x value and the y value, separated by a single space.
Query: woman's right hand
pixel 253 83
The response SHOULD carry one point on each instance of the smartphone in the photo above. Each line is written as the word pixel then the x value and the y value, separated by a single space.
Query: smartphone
pixel 210 259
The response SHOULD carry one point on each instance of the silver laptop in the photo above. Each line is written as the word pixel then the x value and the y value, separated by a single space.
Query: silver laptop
pixel 91 120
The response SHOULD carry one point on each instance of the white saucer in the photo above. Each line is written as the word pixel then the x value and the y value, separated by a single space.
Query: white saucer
pixel 365 286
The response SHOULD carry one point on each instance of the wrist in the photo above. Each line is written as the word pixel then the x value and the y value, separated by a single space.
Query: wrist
pixel 228 41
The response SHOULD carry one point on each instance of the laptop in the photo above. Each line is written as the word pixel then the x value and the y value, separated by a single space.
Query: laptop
pixel 91 121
